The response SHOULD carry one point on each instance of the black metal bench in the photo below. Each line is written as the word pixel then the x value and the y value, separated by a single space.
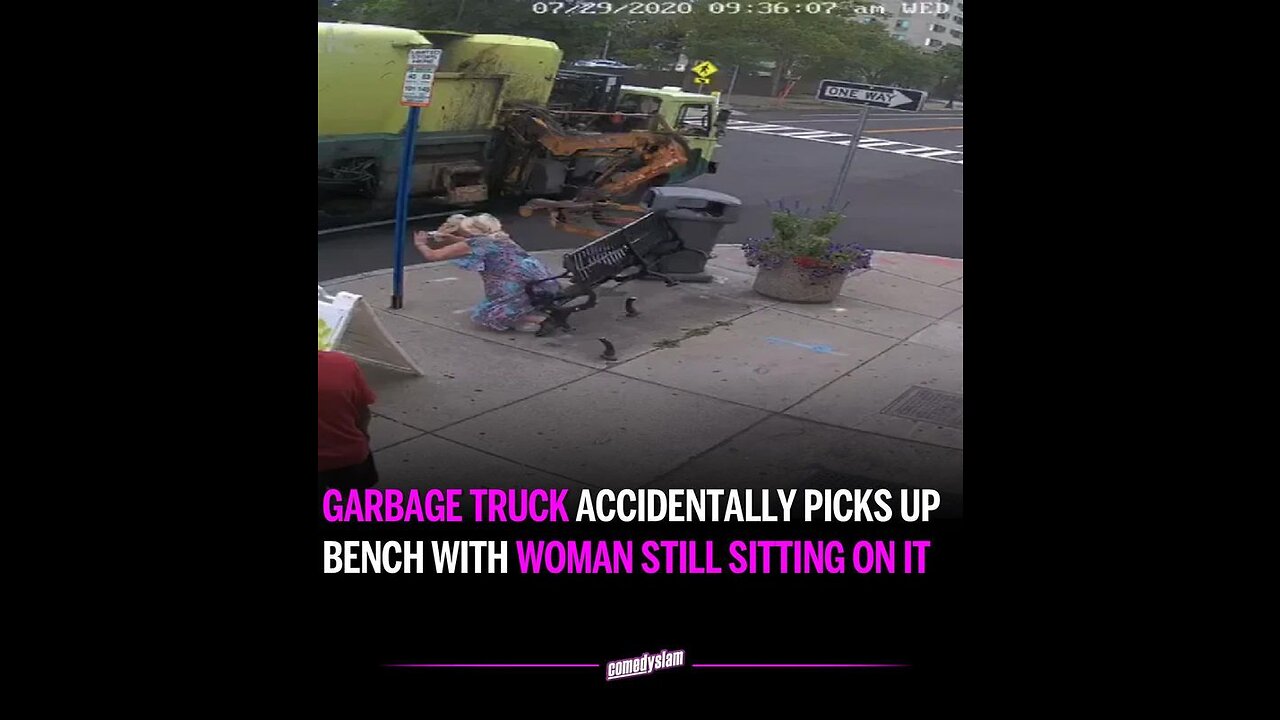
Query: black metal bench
pixel 629 253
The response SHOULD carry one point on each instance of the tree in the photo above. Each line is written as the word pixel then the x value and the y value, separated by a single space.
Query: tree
pixel 575 34
pixel 911 66
pixel 950 65
pixel 336 10
pixel 654 42
pixel 793 42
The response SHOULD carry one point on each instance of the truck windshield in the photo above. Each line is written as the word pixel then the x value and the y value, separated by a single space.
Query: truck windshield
pixel 639 104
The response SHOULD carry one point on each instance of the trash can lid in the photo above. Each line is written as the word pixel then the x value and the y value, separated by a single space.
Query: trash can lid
pixel 697 196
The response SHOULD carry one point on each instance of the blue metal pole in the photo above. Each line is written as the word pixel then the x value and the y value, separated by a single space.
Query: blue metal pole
pixel 402 206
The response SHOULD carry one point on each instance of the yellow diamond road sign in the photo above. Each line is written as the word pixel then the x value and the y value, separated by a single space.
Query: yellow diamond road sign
pixel 705 69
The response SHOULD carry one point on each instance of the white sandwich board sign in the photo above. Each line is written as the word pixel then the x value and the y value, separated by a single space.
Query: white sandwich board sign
pixel 348 325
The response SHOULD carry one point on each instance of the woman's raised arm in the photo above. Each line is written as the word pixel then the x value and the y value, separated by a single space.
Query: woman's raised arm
pixel 454 250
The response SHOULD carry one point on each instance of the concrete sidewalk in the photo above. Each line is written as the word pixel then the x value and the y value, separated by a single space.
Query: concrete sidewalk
pixel 714 384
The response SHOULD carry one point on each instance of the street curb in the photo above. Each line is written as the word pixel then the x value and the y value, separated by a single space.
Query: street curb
pixel 919 255
pixel 407 268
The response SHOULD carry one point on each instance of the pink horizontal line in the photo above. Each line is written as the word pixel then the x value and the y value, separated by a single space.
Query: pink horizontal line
pixel 498 665
pixel 803 665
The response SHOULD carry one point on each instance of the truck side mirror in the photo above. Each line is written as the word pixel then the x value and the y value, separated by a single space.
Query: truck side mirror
pixel 722 120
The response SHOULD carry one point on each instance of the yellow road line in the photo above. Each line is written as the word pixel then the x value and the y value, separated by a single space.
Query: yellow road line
pixel 877 131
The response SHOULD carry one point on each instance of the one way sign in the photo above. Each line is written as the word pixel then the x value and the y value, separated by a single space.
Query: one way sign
pixel 873 95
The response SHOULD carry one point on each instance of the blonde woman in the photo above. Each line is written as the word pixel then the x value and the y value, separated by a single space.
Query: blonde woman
pixel 478 243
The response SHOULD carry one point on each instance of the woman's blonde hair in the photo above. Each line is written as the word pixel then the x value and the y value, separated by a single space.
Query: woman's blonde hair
pixel 452 225
pixel 482 224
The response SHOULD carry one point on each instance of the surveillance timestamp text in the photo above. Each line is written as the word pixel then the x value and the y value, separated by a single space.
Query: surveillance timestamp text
pixel 683 8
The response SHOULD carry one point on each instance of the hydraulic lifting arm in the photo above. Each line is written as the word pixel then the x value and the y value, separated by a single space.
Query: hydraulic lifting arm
pixel 632 160
pixel 568 215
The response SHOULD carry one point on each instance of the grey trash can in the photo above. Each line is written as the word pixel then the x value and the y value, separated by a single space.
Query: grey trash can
pixel 696 216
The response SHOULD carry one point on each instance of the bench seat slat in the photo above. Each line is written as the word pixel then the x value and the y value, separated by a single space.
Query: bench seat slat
pixel 607 256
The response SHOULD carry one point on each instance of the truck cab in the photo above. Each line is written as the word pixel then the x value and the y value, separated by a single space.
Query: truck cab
pixel 698 118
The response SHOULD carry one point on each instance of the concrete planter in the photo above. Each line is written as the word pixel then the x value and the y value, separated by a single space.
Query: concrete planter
pixel 790 283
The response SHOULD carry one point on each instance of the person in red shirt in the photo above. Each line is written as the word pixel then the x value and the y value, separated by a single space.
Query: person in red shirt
pixel 345 458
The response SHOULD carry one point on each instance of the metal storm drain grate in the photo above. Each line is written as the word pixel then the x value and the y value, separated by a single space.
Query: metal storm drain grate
pixel 931 406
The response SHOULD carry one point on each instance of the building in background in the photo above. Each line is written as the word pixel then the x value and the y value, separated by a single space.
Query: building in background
pixel 931 30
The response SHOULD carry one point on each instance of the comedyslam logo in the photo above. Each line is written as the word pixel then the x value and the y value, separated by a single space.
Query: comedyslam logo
pixel 644 664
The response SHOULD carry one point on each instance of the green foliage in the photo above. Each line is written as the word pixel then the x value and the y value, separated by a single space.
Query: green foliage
pixel 577 35
pixel 655 42
pixel 796 43
pixel 873 55
pixel 825 225
pixel 950 66
pixel 800 236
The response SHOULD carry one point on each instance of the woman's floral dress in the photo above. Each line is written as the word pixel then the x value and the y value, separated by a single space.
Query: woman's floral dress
pixel 504 267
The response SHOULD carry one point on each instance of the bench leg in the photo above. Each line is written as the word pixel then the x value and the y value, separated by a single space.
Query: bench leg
pixel 555 319
pixel 609 353
pixel 663 278
pixel 547 327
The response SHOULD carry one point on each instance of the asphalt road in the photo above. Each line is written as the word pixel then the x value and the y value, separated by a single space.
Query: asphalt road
pixel 904 192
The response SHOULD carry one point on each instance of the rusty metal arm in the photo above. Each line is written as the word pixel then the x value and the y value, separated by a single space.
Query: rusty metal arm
pixel 569 215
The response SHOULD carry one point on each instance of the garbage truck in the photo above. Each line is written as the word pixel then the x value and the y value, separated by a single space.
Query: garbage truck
pixel 503 121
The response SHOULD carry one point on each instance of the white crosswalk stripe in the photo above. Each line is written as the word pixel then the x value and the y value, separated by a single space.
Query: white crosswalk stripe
pixel 955 157
pixel 764 127
pixel 812 134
